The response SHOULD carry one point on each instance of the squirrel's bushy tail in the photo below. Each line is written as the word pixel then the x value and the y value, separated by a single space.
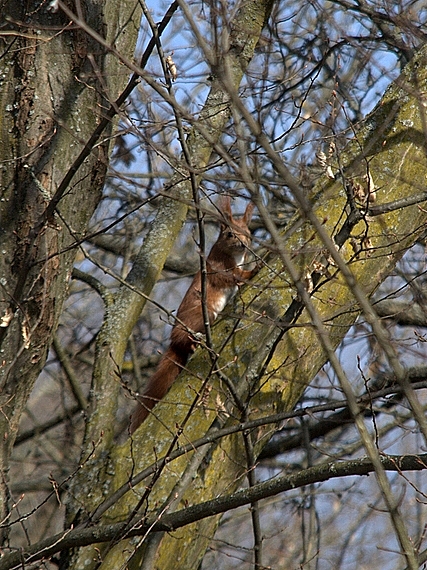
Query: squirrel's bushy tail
pixel 168 369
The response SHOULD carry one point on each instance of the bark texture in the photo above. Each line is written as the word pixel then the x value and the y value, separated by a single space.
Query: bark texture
pixel 50 102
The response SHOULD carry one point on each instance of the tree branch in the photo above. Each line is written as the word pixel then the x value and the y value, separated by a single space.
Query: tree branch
pixel 320 473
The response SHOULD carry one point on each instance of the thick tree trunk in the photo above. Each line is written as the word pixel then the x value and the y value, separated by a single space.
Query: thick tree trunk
pixel 50 104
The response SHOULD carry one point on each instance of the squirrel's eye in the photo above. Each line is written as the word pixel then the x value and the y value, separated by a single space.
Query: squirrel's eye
pixel 230 234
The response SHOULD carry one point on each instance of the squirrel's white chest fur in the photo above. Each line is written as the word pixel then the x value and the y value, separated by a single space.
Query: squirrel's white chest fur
pixel 222 299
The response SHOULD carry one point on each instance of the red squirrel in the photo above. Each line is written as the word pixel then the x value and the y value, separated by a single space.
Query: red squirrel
pixel 224 274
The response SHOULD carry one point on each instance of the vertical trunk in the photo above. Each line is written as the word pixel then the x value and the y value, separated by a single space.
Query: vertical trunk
pixel 49 104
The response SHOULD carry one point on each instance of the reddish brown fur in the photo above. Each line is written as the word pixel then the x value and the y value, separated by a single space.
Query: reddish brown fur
pixel 223 275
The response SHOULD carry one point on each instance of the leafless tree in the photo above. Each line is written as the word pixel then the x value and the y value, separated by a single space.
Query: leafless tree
pixel 123 124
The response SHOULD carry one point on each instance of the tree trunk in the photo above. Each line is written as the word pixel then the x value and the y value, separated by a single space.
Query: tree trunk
pixel 50 103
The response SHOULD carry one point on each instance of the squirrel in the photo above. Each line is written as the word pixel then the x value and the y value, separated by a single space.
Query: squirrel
pixel 223 276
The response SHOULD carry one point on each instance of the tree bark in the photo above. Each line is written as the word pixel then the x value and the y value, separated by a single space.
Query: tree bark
pixel 50 103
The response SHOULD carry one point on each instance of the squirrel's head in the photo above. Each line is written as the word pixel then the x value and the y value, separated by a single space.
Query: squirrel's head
pixel 235 235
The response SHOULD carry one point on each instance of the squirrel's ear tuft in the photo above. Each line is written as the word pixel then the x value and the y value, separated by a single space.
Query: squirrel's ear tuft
pixel 224 206
pixel 247 216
